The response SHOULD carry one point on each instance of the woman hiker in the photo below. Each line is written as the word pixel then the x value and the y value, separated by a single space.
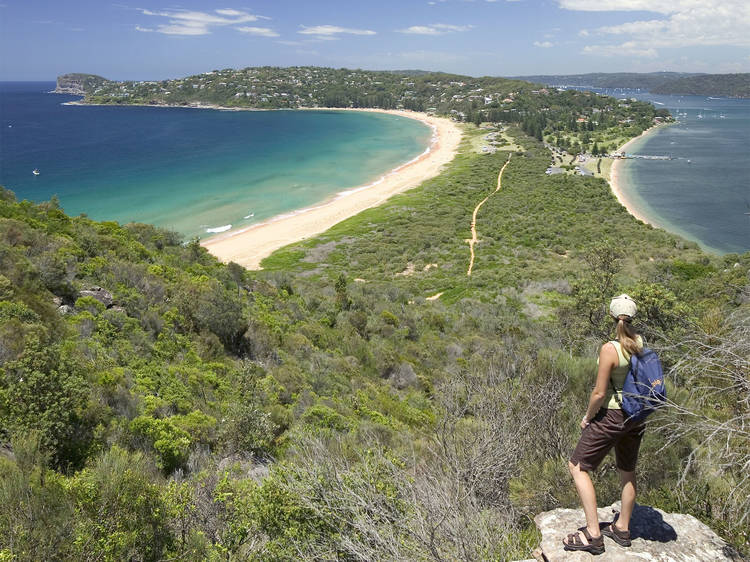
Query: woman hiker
pixel 604 426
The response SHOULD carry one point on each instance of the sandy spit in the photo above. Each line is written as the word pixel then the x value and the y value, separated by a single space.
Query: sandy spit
pixel 248 246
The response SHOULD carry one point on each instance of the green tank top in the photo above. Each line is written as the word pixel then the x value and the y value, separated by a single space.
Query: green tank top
pixel 618 375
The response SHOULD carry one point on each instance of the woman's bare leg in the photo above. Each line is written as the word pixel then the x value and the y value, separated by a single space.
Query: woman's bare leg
pixel 627 480
pixel 586 492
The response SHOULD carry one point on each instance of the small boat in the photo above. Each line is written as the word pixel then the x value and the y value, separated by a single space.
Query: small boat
pixel 35 172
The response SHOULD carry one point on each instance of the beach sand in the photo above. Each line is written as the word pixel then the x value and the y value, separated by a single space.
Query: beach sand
pixel 249 246
pixel 615 180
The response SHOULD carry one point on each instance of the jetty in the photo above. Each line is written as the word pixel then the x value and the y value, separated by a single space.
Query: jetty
pixel 648 157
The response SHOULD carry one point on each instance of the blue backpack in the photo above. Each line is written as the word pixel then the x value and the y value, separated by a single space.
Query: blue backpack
pixel 643 391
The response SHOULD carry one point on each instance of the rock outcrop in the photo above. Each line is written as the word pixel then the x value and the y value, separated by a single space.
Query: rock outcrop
pixel 656 536
pixel 104 297
pixel 78 84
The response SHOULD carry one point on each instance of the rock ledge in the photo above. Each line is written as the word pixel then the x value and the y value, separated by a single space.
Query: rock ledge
pixel 656 536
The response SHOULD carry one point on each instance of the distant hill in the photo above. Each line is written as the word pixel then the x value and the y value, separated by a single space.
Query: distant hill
pixel 645 81
pixel 724 85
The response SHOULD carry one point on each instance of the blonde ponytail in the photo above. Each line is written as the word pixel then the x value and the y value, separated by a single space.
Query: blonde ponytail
pixel 627 336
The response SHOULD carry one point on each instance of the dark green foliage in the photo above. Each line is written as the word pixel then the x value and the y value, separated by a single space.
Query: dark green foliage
pixel 45 390
pixel 36 508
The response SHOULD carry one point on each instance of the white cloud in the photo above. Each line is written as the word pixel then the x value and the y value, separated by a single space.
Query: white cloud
pixel 261 31
pixel 435 29
pixel 662 7
pixel 543 44
pixel 186 22
pixel 230 13
pixel 331 31
pixel 682 23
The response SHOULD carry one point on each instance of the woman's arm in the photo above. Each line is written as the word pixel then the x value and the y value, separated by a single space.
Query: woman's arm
pixel 608 360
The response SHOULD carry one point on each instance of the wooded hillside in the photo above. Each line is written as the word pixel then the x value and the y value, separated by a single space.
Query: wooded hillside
pixel 156 404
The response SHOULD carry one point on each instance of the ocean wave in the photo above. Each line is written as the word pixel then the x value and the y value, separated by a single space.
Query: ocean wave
pixel 251 215
pixel 219 228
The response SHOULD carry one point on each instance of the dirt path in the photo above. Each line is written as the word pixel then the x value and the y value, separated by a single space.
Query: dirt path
pixel 476 210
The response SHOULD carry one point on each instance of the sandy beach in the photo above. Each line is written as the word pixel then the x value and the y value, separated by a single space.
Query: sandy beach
pixel 249 246
pixel 615 180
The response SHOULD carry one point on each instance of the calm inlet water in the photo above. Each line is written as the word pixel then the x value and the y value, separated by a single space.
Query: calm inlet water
pixel 703 193
pixel 193 171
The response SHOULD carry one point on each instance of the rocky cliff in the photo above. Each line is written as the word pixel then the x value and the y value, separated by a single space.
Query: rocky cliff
pixel 78 84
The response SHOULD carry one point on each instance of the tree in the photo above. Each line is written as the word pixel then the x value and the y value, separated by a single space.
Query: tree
pixel 237 273
pixel 120 512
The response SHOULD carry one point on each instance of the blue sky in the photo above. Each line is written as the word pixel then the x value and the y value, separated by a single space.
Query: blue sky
pixel 154 39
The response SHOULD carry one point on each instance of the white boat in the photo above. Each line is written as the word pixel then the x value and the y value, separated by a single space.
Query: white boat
pixel 35 172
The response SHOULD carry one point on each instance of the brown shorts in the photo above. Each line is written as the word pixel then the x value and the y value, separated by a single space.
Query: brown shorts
pixel 605 431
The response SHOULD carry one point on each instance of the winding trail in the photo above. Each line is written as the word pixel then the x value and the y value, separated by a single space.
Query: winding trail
pixel 476 210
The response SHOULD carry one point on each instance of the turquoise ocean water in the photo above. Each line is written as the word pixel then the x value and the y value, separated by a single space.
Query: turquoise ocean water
pixel 703 192
pixel 193 171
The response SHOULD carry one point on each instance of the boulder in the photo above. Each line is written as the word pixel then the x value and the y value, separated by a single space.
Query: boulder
pixel 403 376
pixel 104 297
pixel 656 535
pixel 66 309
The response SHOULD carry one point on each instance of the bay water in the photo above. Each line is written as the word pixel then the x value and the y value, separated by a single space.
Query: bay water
pixel 194 171
pixel 703 192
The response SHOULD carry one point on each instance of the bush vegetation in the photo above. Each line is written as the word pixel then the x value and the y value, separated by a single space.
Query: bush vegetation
pixel 323 408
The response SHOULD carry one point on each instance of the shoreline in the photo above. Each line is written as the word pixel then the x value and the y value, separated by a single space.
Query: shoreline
pixel 615 181
pixel 195 105
pixel 249 245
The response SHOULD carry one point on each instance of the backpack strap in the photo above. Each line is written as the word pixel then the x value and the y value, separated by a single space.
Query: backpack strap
pixel 615 393
pixel 631 370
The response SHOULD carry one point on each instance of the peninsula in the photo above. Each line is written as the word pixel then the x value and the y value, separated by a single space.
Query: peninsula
pixel 573 123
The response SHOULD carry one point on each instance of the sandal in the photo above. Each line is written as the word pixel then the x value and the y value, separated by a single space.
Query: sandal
pixel 574 542
pixel 620 537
